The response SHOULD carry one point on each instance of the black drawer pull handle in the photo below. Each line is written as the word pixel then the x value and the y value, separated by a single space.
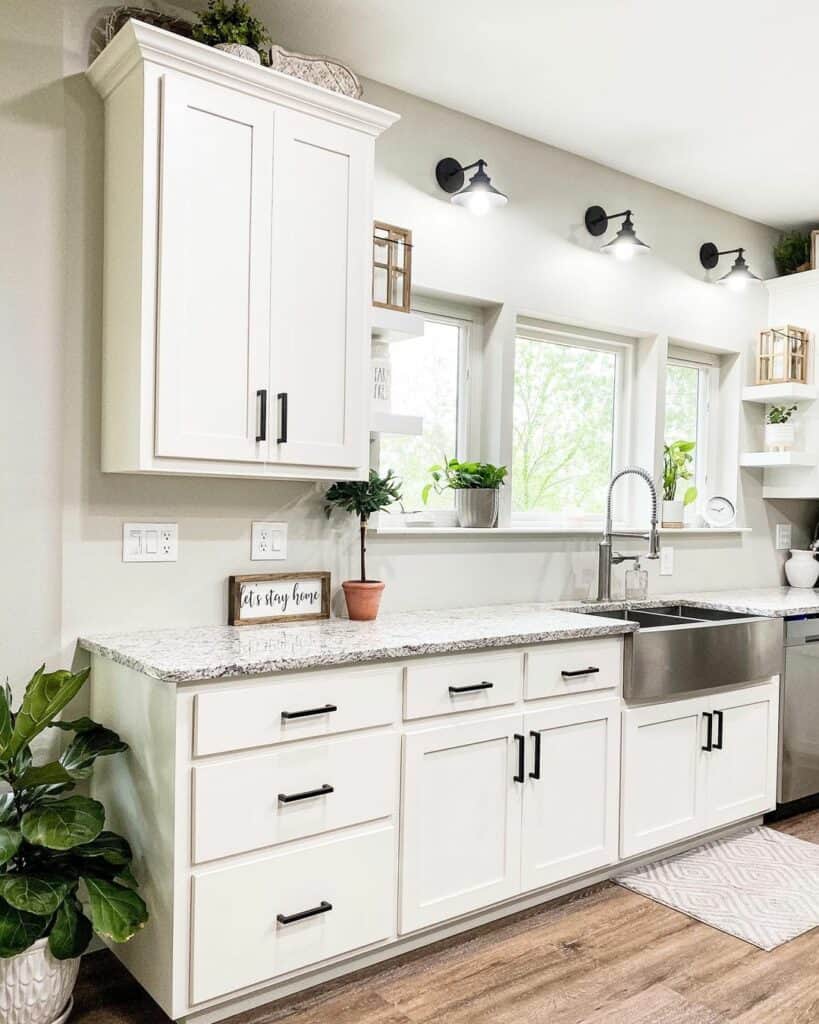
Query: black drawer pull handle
pixel 718 740
pixel 709 742
pixel 262 396
pixel 309 712
pixel 521 741
pixel 291 798
pixel 282 438
pixel 590 671
pixel 536 737
pixel 322 908
pixel 474 688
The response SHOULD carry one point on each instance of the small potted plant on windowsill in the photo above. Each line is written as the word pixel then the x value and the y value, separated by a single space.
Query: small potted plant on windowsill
pixel 363 497
pixel 477 490
pixel 780 433
pixel 232 28
pixel 677 459
pixel 53 850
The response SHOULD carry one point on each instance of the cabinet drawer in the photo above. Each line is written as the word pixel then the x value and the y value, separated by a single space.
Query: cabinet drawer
pixel 296 707
pixel 574 666
pixel 239 937
pixel 439 686
pixel 240 805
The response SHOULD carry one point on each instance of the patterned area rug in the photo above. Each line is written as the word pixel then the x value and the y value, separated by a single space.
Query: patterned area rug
pixel 760 885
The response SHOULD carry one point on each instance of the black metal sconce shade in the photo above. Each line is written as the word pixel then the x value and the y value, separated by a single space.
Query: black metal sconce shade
pixel 479 195
pixel 738 276
pixel 625 243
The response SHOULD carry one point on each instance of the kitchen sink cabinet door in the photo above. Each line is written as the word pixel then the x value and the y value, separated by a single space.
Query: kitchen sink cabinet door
pixel 460 836
pixel 741 766
pixel 571 794
pixel 663 788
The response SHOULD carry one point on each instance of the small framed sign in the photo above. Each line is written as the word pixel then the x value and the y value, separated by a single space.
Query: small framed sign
pixel 279 597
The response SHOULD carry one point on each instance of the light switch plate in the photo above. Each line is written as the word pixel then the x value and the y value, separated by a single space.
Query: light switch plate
pixel 150 542
pixel 783 536
pixel 268 542
pixel 666 561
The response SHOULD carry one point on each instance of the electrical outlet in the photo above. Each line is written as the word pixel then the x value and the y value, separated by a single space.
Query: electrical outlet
pixel 268 541
pixel 783 536
pixel 666 561
pixel 150 542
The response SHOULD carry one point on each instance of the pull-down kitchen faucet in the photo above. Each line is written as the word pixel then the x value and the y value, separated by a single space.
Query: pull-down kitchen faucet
pixel 607 557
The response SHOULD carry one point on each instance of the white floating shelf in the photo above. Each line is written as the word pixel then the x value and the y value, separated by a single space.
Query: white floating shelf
pixel 771 460
pixel 395 423
pixel 769 394
pixel 390 325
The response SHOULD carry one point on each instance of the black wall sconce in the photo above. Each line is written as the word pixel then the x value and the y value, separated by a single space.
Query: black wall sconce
pixel 625 244
pixel 480 195
pixel 738 277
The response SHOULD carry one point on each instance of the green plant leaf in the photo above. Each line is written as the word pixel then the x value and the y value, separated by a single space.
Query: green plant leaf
pixel 117 912
pixel 87 746
pixel 46 695
pixel 425 493
pixel 126 877
pixel 63 824
pixel 7 809
pixel 6 724
pixel 108 846
pixel 18 930
pixel 690 496
pixel 10 840
pixel 78 725
pixel 53 774
pixel 35 894
pixel 71 931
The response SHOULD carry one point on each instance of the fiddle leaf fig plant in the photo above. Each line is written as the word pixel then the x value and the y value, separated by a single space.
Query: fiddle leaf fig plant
pixel 222 22
pixel 454 475
pixel 677 459
pixel 54 848
pixel 363 497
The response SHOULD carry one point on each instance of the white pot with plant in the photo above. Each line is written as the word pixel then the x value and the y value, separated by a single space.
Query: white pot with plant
pixel 54 853
pixel 477 490
pixel 677 460
pixel 363 497
pixel 780 432
pixel 232 28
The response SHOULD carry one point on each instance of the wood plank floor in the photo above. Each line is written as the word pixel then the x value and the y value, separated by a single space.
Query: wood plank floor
pixel 605 956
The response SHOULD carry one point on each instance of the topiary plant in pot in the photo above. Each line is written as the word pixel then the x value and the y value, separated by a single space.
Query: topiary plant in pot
pixel 232 28
pixel 54 852
pixel 792 253
pixel 363 497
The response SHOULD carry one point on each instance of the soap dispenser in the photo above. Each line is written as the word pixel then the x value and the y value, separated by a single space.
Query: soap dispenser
pixel 636 582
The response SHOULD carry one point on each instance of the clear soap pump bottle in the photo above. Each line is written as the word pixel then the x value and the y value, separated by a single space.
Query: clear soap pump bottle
pixel 636 582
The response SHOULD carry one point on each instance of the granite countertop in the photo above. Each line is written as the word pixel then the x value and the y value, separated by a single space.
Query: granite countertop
pixel 213 652
pixel 777 602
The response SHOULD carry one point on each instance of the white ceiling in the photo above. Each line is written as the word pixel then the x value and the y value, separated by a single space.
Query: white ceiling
pixel 716 99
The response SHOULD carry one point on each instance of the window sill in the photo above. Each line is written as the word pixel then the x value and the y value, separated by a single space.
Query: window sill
pixel 545 531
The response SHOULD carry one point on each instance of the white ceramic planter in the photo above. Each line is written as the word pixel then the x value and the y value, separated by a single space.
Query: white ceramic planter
pixel 802 569
pixel 477 507
pixel 673 513
pixel 35 987
pixel 779 437
pixel 241 51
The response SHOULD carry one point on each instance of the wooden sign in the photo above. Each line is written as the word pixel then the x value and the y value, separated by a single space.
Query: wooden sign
pixel 279 597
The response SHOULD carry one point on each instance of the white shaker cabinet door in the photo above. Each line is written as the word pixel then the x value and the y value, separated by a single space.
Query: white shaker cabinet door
pixel 571 793
pixel 460 841
pixel 322 228
pixel 216 169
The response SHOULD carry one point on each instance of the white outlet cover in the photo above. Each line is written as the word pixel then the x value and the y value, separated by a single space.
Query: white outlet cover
pixel 150 542
pixel 666 560
pixel 784 536
pixel 268 542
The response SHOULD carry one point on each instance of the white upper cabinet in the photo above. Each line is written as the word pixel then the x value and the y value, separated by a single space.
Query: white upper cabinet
pixel 238 240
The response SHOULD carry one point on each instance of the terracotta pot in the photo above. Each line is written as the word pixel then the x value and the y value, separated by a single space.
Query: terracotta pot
pixel 363 599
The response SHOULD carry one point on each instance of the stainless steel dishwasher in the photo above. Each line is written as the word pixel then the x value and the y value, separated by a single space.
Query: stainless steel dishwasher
pixel 799 713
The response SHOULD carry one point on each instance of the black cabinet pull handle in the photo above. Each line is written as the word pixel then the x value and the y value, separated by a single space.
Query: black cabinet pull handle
pixel 474 688
pixel 322 908
pixel 282 438
pixel 309 712
pixel 709 742
pixel 262 396
pixel 536 737
pixel 590 671
pixel 291 798
pixel 521 742
pixel 718 740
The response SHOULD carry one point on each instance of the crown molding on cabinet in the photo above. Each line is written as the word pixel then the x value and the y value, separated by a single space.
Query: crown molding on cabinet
pixel 137 43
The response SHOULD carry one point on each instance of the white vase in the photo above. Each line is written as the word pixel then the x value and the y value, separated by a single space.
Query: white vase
pixel 35 987
pixel 241 51
pixel 779 437
pixel 802 569
pixel 673 513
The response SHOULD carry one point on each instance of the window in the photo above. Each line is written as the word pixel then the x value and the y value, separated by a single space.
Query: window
pixel 428 380
pixel 688 410
pixel 568 397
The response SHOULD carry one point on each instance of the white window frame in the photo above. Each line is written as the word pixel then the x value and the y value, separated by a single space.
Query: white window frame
pixel 708 366
pixel 624 349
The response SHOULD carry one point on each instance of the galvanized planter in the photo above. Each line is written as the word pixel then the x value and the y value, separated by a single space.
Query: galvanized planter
pixel 477 507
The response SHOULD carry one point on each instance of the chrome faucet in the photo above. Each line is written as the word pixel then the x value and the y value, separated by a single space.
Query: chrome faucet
pixel 607 556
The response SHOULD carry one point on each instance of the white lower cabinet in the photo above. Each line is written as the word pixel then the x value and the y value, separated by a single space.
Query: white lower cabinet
pixel 679 779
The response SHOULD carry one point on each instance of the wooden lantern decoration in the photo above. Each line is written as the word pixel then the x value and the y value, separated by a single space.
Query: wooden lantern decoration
pixel 783 356
pixel 392 267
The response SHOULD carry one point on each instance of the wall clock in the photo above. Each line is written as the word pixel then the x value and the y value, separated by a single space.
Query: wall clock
pixel 719 511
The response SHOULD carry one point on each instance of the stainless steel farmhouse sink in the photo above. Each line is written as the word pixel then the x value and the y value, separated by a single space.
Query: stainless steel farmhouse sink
pixel 683 648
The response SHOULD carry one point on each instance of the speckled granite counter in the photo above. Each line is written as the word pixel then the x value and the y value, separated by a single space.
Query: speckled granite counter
pixel 213 652
pixel 773 601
